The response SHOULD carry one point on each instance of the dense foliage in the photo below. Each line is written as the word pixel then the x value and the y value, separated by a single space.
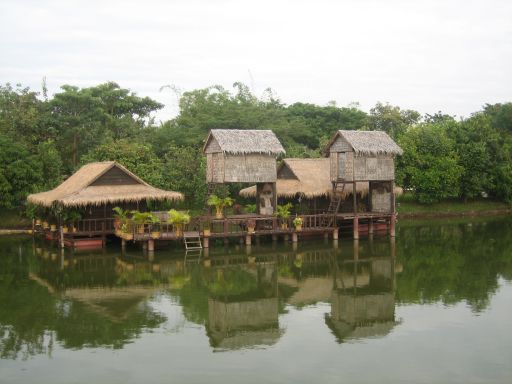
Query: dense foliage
pixel 43 140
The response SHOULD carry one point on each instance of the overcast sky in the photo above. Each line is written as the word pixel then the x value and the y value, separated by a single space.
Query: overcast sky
pixel 448 55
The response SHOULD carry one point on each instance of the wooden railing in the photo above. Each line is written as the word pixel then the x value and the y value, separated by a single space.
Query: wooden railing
pixel 229 226
pixel 95 226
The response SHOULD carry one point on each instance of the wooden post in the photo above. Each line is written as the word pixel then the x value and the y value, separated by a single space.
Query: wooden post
pixel 123 245
pixel 392 222
pixel 248 239
pixel 335 234
pixel 356 228
pixel 295 237
pixel 286 238
pixel 151 245
pixel 370 226
pixel 354 195
pixel 206 242
pixel 61 237
pixel 274 237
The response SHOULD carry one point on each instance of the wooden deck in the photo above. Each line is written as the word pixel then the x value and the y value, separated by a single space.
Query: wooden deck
pixel 93 232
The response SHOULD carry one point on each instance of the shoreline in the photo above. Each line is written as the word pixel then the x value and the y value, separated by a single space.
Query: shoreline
pixel 440 215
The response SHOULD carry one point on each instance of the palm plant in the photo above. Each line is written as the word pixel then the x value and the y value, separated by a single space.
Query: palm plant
pixel 219 203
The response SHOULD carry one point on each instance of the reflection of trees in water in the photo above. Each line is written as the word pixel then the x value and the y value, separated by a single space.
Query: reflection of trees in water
pixel 454 262
pixel 32 319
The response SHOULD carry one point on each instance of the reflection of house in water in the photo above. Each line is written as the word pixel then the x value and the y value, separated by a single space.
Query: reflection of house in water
pixel 104 284
pixel 249 320
pixel 362 308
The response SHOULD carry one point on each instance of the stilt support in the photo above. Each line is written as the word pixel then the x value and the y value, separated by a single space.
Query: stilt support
pixel 335 234
pixel 370 226
pixel 248 239
pixel 356 228
pixel 206 242
pixel 151 245
pixel 295 237
pixel 392 223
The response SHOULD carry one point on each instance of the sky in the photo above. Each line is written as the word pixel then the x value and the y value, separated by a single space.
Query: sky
pixel 452 56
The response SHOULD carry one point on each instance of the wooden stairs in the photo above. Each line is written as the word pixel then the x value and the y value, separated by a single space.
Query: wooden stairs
pixel 192 240
pixel 334 205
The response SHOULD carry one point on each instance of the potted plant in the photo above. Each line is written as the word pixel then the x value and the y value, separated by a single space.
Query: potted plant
pixel 283 212
pixel 73 217
pixel 154 221
pixel 125 232
pixel 46 225
pixel 178 219
pixel 53 227
pixel 219 204
pixel 297 222
pixel 206 228
pixel 120 216
pixel 251 225
pixel 141 218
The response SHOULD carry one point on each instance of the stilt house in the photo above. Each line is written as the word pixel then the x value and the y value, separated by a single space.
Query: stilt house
pixel 245 156
pixel 364 156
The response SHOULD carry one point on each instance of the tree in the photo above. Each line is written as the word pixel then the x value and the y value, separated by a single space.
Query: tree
pixel 137 157
pixel 429 165
pixel 391 119
pixel 20 173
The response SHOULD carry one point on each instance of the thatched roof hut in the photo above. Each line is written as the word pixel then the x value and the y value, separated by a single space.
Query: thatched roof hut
pixel 309 178
pixel 101 183
pixel 367 142
pixel 243 141
pixel 236 155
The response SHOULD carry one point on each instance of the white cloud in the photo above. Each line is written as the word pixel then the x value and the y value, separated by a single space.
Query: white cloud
pixel 452 56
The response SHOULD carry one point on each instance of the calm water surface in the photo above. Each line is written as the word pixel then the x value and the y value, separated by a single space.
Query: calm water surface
pixel 435 306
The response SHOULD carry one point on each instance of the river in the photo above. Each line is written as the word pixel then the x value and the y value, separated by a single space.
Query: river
pixel 432 306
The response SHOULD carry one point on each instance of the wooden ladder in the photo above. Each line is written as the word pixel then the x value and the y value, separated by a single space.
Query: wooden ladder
pixel 335 203
pixel 192 240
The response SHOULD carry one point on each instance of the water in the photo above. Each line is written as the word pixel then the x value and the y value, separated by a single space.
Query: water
pixel 434 307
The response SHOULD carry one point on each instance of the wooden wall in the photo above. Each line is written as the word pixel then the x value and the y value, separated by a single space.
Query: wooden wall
pixel 115 176
pixel 361 168
pixel 251 168
pixel 381 199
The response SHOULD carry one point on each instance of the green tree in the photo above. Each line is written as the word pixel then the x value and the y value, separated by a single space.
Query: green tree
pixel 391 119
pixel 429 165
pixel 137 157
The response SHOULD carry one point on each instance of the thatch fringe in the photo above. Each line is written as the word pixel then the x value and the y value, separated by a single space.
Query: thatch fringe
pixel 77 190
pixel 245 141
pixel 368 142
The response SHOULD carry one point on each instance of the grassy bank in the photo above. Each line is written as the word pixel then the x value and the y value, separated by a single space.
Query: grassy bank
pixel 12 219
pixel 406 206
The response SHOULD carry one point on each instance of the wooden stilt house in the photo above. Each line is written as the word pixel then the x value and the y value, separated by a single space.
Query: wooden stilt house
pixel 245 156
pixel 363 156
pixel 93 191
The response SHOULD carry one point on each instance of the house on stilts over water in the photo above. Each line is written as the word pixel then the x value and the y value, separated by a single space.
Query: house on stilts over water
pixel 244 156
pixel 79 210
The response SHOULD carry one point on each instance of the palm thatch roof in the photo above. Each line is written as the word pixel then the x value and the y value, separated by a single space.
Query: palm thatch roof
pixel 245 141
pixel 80 189
pixel 310 179
pixel 368 142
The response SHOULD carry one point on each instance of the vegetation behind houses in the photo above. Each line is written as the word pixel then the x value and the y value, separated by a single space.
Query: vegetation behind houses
pixel 45 139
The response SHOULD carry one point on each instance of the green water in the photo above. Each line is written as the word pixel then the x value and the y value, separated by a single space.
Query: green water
pixel 435 306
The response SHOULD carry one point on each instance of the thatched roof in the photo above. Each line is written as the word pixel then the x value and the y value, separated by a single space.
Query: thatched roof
pixel 245 141
pixel 312 179
pixel 368 142
pixel 78 190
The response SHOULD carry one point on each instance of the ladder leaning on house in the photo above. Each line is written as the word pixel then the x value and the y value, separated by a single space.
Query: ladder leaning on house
pixel 192 240
pixel 338 187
